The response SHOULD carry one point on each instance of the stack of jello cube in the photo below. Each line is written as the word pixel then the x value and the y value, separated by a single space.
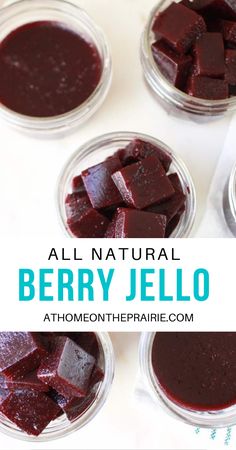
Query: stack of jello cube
pixel 45 375
pixel 195 47
pixel 131 194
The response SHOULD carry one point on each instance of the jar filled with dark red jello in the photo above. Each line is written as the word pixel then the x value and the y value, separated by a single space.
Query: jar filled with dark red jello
pixel 229 202
pixel 126 185
pixel 55 66
pixel 192 375
pixel 188 54
pixel 52 384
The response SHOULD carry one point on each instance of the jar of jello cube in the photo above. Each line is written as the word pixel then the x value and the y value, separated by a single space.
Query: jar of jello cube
pixel 191 375
pixel 55 66
pixel 72 413
pixel 177 45
pixel 229 202
pixel 126 185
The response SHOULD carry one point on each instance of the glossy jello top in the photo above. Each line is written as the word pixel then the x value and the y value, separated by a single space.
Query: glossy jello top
pixel 196 370
pixel 47 69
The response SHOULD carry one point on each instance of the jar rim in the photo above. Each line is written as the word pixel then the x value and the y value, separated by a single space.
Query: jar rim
pixel 122 138
pixel 206 419
pixel 165 90
pixel 232 192
pixel 59 431
pixel 78 115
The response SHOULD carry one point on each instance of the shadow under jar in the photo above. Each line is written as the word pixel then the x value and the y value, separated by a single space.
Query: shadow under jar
pixel 229 202
pixel 102 159
pixel 75 415
pixel 171 97
pixel 192 375
pixel 55 66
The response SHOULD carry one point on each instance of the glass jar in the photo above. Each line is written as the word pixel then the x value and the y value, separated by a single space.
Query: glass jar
pixel 61 427
pixel 98 149
pixel 25 11
pixel 229 202
pixel 205 419
pixel 172 98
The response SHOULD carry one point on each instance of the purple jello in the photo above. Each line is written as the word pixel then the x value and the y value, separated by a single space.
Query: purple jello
pixel 68 368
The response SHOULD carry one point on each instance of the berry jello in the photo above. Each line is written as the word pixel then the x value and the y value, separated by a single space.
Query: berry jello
pixel 54 66
pixel 192 375
pixel 126 185
pixel 187 55
pixel 52 383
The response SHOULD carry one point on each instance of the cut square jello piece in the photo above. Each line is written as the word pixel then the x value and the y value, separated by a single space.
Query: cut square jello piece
pixel 207 88
pixel 98 183
pixel 209 55
pixel 83 220
pixel 68 368
pixel 179 27
pixel 131 223
pixel 225 9
pixel 143 183
pixel 29 381
pixel 230 62
pixel 31 411
pixel 175 67
pixel 229 31
pixel 170 207
pixel 20 353
pixel 137 150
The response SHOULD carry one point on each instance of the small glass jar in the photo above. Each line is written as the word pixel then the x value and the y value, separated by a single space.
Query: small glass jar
pixel 27 11
pixel 97 150
pixel 205 419
pixel 172 98
pixel 61 427
pixel 229 202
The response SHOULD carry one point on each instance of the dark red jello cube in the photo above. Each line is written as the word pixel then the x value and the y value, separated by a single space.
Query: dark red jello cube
pixel 131 223
pixel 143 183
pixel 87 341
pixel 208 88
pixel 98 183
pixel 171 207
pixel 175 67
pixel 229 31
pixel 179 27
pixel 78 185
pixel 83 220
pixel 20 353
pixel 225 9
pixel 138 149
pixel 29 381
pixel 68 368
pixel 31 411
pixel 209 55
pixel 230 62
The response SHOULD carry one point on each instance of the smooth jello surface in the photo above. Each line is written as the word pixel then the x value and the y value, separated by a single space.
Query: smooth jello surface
pixel 131 194
pixel 64 380
pixel 196 370
pixel 190 44
pixel 47 69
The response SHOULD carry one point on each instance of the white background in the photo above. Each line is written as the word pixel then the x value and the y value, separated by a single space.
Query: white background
pixel 29 170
